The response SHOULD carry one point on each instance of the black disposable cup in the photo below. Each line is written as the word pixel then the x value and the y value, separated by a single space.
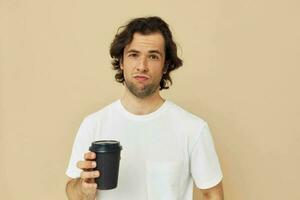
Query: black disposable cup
pixel 108 161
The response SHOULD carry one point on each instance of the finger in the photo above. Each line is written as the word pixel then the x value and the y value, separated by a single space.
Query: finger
pixel 86 185
pixel 90 180
pixel 89 156
pixel 86 164
pixel 89 174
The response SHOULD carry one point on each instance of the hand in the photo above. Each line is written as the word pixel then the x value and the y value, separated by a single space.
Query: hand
pixel 88 175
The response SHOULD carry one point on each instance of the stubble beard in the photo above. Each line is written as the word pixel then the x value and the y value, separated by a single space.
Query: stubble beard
pixel 143 92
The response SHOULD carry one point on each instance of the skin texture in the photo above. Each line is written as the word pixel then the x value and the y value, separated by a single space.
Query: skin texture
pixel 214 193
pixel 144 57
pixel 143 67
pixel 84 188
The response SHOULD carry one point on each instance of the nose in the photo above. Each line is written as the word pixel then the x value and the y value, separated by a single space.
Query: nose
pixel 143 64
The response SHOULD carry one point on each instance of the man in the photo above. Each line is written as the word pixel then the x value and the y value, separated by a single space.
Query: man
pixel 165 148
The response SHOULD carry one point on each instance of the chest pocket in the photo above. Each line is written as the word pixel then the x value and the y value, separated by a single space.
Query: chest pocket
pixel 163 179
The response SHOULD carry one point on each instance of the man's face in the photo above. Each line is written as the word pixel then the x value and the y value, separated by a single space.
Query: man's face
pixel 143 62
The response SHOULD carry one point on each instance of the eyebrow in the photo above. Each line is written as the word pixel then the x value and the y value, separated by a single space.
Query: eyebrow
pixel 151 51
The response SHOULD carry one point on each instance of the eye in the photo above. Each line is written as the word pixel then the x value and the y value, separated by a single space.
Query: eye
pixel 154 57
pixel 133 55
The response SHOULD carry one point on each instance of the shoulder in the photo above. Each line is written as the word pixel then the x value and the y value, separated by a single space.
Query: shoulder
pixel 99 115
pixel 184 115
pixel 188 125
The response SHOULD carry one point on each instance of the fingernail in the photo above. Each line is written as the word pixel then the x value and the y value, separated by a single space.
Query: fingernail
pixel 94 164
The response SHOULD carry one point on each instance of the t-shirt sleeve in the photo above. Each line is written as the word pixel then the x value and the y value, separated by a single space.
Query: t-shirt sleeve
pixel 81 145
pixel 205 166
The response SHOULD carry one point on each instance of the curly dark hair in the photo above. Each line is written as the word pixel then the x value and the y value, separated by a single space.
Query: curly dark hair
pixel 145 26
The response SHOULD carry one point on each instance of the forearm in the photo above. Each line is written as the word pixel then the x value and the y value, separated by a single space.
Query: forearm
pixel 74 191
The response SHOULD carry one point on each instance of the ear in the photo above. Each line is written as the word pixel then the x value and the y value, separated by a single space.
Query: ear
pixel 121 64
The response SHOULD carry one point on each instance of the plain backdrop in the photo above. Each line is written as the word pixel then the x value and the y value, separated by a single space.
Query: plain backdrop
pixel 241 74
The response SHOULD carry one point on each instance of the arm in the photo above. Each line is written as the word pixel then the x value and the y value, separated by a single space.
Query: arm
pixel 84 187
pixel 214 193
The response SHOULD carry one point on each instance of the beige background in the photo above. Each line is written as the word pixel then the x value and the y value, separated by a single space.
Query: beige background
pixel 241 74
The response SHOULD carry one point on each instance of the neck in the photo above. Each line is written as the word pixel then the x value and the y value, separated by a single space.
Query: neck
pixel 141 106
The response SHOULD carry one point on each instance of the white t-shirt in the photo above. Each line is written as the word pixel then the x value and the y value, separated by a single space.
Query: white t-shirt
pixel 163 152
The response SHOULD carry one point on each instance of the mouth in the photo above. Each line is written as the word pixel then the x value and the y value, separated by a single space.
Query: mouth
pixel 141 77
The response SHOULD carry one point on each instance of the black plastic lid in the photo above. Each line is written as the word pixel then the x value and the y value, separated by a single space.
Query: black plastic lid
pixel 105 146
